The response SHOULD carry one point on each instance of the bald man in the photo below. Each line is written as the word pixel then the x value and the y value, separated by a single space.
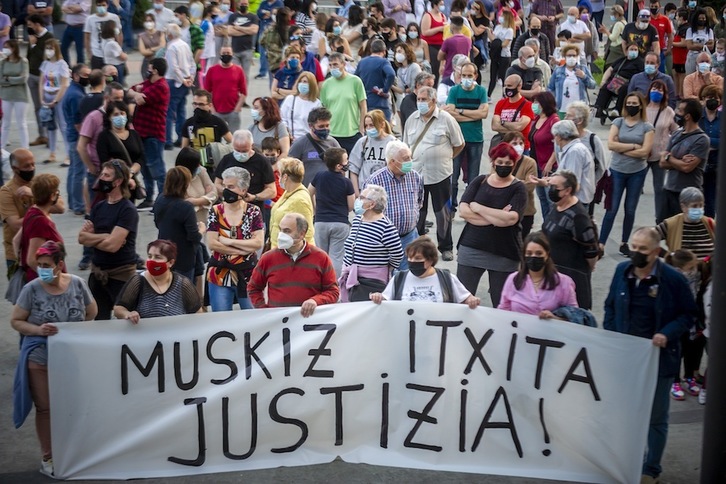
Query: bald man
pixel 580 31
pixel 693 83
pixel 526 69
pixel 513 112
pixel 535 32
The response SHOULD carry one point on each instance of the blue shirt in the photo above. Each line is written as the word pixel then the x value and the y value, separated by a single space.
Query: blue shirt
pixel 713 130
pixel 69 106
pixel 331 196
pixel 264 12
pixel 375 72
pixel 343 11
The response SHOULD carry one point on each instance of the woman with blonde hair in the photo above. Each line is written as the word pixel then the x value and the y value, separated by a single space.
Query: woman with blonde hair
pixel 55 77
pixel 295 108
pixel 296 199
pixel 369 153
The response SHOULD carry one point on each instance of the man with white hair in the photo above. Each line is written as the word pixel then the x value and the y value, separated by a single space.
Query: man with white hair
pixel 539 63
pixel 526 68
pixel 262 184
pixel 180 76
pixel 694 82
pixel 435 139
pixel 572 155
pixel 163 16
pixel 408 104
pixel 405 189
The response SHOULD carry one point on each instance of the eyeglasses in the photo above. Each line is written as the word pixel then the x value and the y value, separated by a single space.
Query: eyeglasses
pixel 200 105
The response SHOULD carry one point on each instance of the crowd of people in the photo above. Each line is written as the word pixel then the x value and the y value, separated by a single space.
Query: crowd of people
pixel 372 109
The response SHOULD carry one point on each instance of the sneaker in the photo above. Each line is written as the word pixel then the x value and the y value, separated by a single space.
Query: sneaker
pixel 646 479
pixel 40 140
pixel 699 378
pixel 429 223
pixel 625 249
pixel 677 392
pixel 83 265
pixel 702 397
pixel 691 387
pixel 260 76
pixel 447 255
pixel 145 206
pixel 46 467
pixel 168 147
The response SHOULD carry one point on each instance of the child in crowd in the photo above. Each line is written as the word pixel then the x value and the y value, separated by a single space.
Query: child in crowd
pixel 271 150
pixel 113 54
pixel 563 38
pixel 692 343
pixel 718 58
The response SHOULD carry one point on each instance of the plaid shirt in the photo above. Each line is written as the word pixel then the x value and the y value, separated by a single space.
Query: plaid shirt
pixel 405 197
pixel 150 117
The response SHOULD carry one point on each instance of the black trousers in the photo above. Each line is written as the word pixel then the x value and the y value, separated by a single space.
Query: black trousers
pixel 499 66
pixel 348 142
pixel 470 277
pixel 105 295
pixel 441 200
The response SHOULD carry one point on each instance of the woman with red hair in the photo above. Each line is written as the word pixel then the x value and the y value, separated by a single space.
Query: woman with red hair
pixel 492 206
pixel 267 123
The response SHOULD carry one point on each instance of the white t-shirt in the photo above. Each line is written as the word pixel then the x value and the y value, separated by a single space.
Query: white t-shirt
pixel 163 17
pixel 570 90
pixel 93 27
pixel 54 72
pixel 699 36
pixel 579 27
pixel 111 52
pixel 426 289
pixel 504 34
pixel 315 41
pixel 294 112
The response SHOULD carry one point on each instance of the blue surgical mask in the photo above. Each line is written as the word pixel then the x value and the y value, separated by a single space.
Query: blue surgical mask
pixel 337 30
pixel 198 171
pixel 691 4
pixel 45 274
pixel 650 69
pixel 241 157
pixel 101 10
pixel 358 207
pixel 466 83
pixel 704 67
pixel 293 63
pixel 303 88
pixel 536 109
pixel 695 214
pixel 632 54
pixel 407 166
pixel 423 107
pixel 336 73
pixel 372 133
pixel 656 96
pixel 612 18
pixel 119 121
pixel 256 116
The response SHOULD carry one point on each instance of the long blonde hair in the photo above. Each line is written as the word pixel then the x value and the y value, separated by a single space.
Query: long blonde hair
pixel 379 121
pixel 508 19
pixel 314 93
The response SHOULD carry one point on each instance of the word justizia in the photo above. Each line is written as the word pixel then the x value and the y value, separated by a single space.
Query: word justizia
pixel 251 351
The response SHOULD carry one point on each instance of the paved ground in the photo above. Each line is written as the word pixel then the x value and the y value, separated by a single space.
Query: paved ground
pixel 19 453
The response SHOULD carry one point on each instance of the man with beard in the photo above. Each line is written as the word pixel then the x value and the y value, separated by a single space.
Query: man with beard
pixel 204 127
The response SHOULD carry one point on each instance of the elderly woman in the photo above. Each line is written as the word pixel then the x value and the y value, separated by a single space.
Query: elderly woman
pixel 537 288
pixel 266 122
pixel 426 283
pixel 296 199
pixel 158 291
pixel 690 229
pixel 372 249
pixel 38 227
pixel 369 153
pixel 630 141
pixel 492 207
pixel 296 106
pixel 615 81
pixel 661 116
pixel 571 234
pixel 54 297
pixel 235 232
pixel 571 81
pixel 711 98
pixel 285 77
pixel 175 218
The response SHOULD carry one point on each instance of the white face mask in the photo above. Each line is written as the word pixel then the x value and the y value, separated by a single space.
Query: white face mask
pixel 7 52
pixel 400 57
pixel 49 54
pixel 519 149
pixel 284 241
pixel 149 25
pixel 571 61
pixel 530 62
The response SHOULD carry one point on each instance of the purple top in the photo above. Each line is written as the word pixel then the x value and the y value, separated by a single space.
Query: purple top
pixel 530 301
pixel 4 22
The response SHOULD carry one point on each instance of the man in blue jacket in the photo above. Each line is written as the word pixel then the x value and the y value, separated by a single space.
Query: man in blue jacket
pixel 652 300
pixel 377 76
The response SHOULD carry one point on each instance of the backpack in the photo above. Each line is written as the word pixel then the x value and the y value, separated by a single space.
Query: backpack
pixel 599 168
pixel 213 153
pixel 444 280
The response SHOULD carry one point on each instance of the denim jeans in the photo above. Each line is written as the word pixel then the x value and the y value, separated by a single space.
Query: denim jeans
pixel 472 154
pixel 221 298
pixel 154 169
pixel 176 115
pixel 658 431
pixel 127 26
pixel 405 241
pixel 73 35
pixel 633 184
pixel 76 176
pixel 544 199
pixel 264 65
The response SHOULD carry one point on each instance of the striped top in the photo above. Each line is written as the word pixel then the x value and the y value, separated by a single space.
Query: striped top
pixel 373 243
pixel 695 238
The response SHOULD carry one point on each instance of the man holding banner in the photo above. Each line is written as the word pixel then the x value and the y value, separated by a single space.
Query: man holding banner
pixel 650 299
pixel 295 274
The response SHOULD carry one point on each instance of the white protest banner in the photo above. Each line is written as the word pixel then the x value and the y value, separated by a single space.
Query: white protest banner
pixel 422 385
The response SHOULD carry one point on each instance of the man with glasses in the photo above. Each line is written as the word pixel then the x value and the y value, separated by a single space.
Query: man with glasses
pixel 204 127
pixel 643 34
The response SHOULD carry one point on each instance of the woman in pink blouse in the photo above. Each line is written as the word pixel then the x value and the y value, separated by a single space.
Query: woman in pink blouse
pixel 537 287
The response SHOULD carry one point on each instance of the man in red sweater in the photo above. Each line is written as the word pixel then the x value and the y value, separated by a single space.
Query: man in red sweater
pixel 228 85
pixel 295 274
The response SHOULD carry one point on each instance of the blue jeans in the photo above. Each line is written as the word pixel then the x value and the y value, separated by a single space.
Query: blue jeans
pixel 405 241
pixel 74 182
pixel 153 170
pixel 126 26
pixel 472 154
pixel 544 199
pixel 221 298
pixel 264 65
pixel 658 431
pixel 73 35
pixel 633 184
pixel 176 115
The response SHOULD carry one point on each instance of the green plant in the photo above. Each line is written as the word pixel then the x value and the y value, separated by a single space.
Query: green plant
pixel 139 12
pixel 601 64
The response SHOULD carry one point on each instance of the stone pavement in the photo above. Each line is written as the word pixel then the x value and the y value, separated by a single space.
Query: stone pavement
pixel 19 452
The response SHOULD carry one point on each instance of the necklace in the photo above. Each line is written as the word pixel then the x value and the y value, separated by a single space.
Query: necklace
pixel 158 289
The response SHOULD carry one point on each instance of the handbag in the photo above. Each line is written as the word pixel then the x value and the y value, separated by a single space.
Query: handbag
pixel 15 285
pixel 138 193
pixel 617 82
pixel 365 286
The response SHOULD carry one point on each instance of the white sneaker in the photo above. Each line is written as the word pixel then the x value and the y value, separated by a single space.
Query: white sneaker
pixel 702 397
pixel 46 467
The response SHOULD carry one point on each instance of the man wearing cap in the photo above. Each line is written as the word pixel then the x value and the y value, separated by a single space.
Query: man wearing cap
pixel 642 34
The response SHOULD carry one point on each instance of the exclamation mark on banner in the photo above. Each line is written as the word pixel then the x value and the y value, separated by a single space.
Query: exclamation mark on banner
pixel 545 452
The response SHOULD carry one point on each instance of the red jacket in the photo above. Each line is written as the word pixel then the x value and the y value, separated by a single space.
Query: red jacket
pixel 290 283
pixel 150 117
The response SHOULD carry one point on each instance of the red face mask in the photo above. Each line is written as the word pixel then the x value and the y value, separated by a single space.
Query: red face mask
pixel 156 268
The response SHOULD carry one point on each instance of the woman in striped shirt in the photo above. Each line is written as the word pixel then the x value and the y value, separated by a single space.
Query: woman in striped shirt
pixel 691 229
pixel 372 249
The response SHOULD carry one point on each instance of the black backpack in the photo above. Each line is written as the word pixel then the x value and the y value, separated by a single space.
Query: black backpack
pixel 444 279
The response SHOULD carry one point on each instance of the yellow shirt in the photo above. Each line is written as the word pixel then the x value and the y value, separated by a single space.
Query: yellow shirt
pixel 464 30
pixel 297 201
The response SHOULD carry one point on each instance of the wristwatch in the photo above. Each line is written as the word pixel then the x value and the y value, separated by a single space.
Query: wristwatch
pixel 667 157
pixel 461 111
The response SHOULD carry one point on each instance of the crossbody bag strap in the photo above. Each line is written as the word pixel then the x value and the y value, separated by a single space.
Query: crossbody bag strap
pixel 423 133
pixel 123 147
pixel 317 147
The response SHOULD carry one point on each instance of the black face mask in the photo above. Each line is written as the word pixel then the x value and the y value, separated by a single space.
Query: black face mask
pixel 104 186
pixel 712 104
pixel 340 49
pixel 229 196
pixel 511 92
pixel 632 110
pixel 554 194
pixel 654 10
pixel 26 175
pixel 271 159
pixel 638 259
pixel 201 114
pixel 344 168
pixel 534 32
pixel 679 120
pixel 701 23
pixel 416 268
pixel 243 8
pixel 503 171
pixel 225 58
pixel 84 81
pixel 534 264
pixel 149 74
